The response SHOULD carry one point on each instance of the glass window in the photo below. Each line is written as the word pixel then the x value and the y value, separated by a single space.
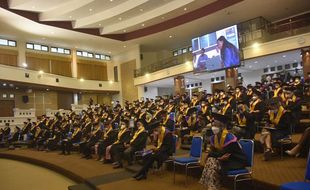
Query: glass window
pixel 3 42
pixel 44 48
pixel 78 53
pixel 37 47
pixel 179 52
pixel 12 43
pixel 29 46
pixel 84 54
pixel 60 50
pixel 53 49
pixel 90 55
pixel 108 58
pixel 102 57
pixel 67 51
pixel 97 56
pixel 189 48
pixel 175 53
pixel 184 50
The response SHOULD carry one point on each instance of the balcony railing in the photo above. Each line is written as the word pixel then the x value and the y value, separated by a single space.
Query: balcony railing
pixel 254 30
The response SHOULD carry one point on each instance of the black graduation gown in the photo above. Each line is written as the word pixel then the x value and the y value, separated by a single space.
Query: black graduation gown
pixel 237 159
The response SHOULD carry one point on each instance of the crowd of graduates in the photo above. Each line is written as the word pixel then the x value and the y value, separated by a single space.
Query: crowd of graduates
pixel 271 108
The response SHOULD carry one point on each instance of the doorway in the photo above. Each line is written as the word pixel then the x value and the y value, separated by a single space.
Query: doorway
pixel 7 107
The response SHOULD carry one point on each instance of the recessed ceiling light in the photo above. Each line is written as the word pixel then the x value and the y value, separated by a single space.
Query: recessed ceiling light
pixel 170 36
pixel 109 52
pixel 283 56
pixel 25 65
pixel 111 0
pixel 33 7
pixel 16 88
pixel 255 45
pixel 124 30
pixel 162 17
pixel 81 79
pixel 275 61
pixel 142 24
pixel 124 46
pixel 99 24
pixel 41 72
pixel 70 16
pixel 120 18
pixel 250 66
pixel 141 10
pixel 256 62
pixel 90 10
pixel 186 81
pixel 268 65
pixel 185 9
pixel 111 81
pixel 47 89
pixel 295 60
pixel 4 84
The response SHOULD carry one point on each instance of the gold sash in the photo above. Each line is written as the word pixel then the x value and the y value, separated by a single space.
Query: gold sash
pixel 219 145
pixel 253 104
pixel 241 121
pixel 275 120
pixel 276 92
pixel 204 109
pixel 137 133
pixel 75 132
pixel 223 111
pixel 293 99
pixel 106 134
pixel 120 133
pixel 161 137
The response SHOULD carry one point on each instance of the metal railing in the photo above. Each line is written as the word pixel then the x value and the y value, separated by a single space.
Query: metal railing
pixel 254 30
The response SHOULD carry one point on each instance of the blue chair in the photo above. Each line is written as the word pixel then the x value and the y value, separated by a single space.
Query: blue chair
pixel 244 174
pixel 305 185
pixel 194 158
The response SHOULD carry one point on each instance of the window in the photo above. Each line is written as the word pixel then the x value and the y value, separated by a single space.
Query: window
pixel 175 53
pixel 279 68
pixel 190 49
pixel 295 65
pixel 37 47
pixel 272 69
pixel 61 50
pixel 266 70
pixel 53 49
pixel 287 66
pixel 5 42
pixel 184 50
pixel 92 55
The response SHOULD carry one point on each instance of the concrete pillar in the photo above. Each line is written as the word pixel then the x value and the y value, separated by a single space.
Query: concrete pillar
pixel 179 85
pixel 232 77
pixel 75 98
pixel 74 63
pixel 306 62
pixel 21 54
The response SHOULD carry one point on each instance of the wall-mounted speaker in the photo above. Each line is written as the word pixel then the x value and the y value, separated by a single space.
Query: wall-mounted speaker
pixel 27 75
pixel 57 79
pixel 100 85
pixel 25 99
pixel 145 89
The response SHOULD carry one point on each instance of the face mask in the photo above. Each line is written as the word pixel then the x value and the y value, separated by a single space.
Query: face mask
pixel 215 130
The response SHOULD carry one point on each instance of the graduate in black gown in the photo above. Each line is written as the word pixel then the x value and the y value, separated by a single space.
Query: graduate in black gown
pixel 225 154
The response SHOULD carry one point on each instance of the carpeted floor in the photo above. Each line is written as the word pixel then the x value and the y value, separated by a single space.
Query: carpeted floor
pixel 273 173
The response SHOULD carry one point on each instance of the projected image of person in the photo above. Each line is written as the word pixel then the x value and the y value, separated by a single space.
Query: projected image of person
pixel 201 62
pixel 229 52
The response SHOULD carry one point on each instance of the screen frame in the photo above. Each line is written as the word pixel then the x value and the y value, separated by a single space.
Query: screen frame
pixel 241 58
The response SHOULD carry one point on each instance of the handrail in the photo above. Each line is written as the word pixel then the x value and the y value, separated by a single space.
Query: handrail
pixel 268 30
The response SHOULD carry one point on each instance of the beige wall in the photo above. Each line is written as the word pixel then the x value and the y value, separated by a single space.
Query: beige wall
pixel 129 90
pixel 97 98
pixel 65 99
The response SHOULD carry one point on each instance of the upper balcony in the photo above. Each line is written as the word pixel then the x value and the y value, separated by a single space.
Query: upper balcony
pixel 257 30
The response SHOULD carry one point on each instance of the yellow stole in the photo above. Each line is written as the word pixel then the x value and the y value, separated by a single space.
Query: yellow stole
pixel 210 100
pixel 75 132
pixel 204 109
pixel 249 93
pixel 253 104
pixel 275 120
pixel 238 95
pixel 241 121
pixel 230 99
pixel 137 133
pixel 276 92
pixel 194 102
pixel 106 134
pixel 120 133
pixel 167 117
pixel 223 111
pixel 185 112
pixel 161 137
pixel 294 100
pixel 141 115
pixel 219 145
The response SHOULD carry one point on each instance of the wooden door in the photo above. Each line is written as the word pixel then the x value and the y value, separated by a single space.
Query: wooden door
pixel 6 108
pixel 218 86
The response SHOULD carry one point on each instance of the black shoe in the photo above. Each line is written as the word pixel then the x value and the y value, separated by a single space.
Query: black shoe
pixel 140 177
pixel 118 166
pixel 136 175
pixel 62 153
pixel 88 157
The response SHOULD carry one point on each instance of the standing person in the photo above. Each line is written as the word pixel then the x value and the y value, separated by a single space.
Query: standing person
pixel 229 52
pixel 201 62
pixel 225 154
